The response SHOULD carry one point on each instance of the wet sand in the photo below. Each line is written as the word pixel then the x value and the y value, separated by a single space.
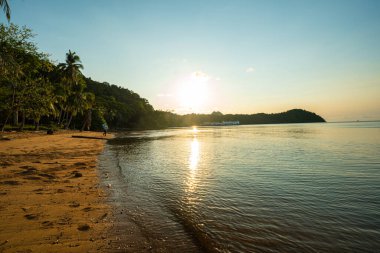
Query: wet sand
pixel 51 199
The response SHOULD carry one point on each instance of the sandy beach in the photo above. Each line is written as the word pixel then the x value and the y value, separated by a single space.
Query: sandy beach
pixel 50 195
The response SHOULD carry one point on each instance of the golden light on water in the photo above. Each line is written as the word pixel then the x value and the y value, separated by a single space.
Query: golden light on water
pixel 194 155
pixel 193 168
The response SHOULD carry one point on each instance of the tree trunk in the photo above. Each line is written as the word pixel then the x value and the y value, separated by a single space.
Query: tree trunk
pixel 22 121
pixel 63 117
pixel 67 117
pixel 15 118
pixel 59 117
pixel 10 110
pixel 37 125
pixel 69 121
pixel 6 121
pixel 87 120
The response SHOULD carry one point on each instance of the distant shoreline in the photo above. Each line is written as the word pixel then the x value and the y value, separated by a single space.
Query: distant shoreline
pixel 353 121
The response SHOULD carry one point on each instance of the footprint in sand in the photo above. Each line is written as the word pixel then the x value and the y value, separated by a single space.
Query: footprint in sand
pixel 83 227
pixel 47 224
pixel 29 170
pixel 5 164
pixel 33 178
pixel 76 174
pixel 87 209
pixel 10 182
pixel 74 204
pixel 80 164
pixel 31 216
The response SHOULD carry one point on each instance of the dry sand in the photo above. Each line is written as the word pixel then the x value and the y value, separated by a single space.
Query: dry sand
pixel 50 195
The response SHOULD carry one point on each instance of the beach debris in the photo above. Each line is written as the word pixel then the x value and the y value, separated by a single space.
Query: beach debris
pixel 83 227
pixel 109 185
pixel 89 137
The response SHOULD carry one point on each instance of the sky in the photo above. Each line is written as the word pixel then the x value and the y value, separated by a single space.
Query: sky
pixel 215 55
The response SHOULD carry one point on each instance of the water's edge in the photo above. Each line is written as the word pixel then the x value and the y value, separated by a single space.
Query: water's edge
pixel 128 232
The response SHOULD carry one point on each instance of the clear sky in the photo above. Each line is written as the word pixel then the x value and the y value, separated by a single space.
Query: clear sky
pixel 231 56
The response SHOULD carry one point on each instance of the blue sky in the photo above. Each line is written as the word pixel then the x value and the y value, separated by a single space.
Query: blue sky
pixel 232 56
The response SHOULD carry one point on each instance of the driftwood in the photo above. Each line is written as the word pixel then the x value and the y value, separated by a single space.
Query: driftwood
pixel 89 137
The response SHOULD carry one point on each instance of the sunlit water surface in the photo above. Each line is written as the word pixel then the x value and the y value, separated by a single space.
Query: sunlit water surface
pixel 258 188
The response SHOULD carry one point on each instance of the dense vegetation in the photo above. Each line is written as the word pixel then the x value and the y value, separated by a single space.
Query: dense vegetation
pixel 34 91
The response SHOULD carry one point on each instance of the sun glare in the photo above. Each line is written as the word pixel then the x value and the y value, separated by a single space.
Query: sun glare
pixel 193 91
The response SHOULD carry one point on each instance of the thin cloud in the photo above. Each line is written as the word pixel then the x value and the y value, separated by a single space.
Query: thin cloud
pixel 164 95
pixel 250 70
pixel 200 75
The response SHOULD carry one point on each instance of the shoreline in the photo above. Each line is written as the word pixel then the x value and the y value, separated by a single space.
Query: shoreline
pixel 51 195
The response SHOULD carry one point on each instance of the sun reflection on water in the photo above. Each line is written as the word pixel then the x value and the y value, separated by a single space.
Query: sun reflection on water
pixel 194 155
pixel 191 182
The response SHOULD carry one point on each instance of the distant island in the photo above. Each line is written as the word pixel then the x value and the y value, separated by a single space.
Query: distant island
pixel 36 92
pixel 291 116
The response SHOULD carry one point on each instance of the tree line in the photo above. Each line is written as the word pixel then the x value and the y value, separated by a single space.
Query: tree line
pixel 35 91
pixel 32 87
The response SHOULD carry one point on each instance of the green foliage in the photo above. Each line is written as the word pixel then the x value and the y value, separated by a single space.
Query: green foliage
pixel 70 70
pixel 23 84
pixel 97 120
pixel 121 108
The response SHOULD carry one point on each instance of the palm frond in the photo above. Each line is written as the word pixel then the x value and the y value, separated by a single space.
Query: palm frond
pixel 7 10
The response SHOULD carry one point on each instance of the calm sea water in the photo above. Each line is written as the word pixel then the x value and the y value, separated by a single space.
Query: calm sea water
pixel 257 188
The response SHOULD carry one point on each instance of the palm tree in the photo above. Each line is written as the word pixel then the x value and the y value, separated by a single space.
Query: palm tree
pixel 71 68
pixel 80 102
pixel 4 4
pixel 72 81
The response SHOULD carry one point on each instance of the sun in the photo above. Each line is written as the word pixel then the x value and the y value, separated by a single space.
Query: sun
pixel 193 92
